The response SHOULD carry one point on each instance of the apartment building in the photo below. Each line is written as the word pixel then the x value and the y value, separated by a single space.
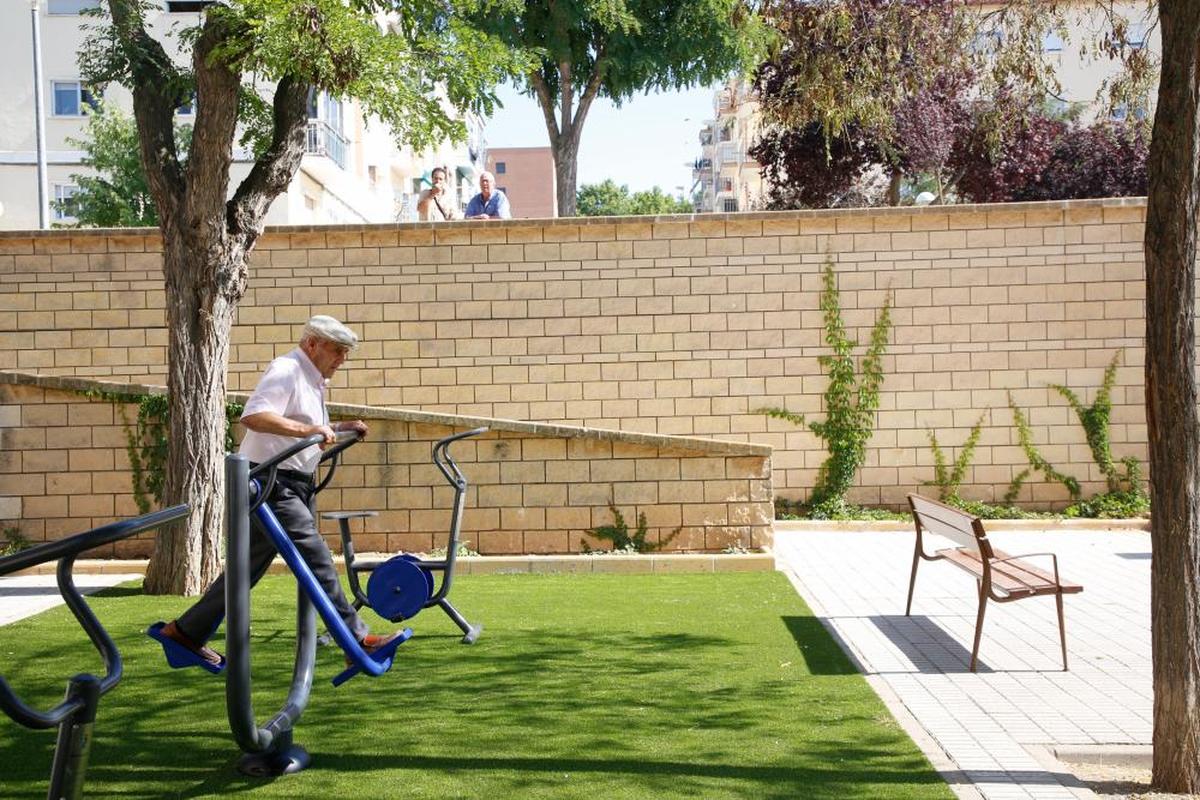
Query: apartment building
pixel 527 178
pixel 352 171
pixel 725 176
pixel 727 179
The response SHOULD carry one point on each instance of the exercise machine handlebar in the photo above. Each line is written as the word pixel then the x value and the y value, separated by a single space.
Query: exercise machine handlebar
pixel 65 552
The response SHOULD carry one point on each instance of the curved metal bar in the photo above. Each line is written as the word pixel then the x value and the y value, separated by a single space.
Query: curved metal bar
pixel 445 463
pixel 343 439
pixel 66 550
pixel 308 583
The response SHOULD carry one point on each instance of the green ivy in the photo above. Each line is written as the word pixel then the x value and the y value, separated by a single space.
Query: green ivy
pixel 948 479
pixel 1095 420
pixel 1036 462
pixel 146 440
pixel 13 541
pixel 851 402
pixel 625 542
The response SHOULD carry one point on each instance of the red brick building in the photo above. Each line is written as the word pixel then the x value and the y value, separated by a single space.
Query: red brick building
pixel 526 176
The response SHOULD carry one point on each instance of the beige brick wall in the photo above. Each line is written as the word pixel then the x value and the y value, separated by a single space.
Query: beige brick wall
pixel 534 488
pixel 674 325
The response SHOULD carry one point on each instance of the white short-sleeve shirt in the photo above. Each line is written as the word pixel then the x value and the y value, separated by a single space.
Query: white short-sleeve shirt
pixel 292 387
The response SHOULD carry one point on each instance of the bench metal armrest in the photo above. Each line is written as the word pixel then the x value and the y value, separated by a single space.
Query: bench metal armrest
pixel 1053 561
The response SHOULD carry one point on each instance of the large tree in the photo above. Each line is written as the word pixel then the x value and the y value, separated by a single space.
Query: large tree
pixel 1171 400
pixel 251 65
pixel 614 49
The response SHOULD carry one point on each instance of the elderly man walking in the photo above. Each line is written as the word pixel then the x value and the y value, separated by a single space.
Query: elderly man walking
pixel 287 404
pixel 490 203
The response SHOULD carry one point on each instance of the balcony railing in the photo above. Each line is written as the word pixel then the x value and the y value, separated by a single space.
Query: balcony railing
pixel 322 140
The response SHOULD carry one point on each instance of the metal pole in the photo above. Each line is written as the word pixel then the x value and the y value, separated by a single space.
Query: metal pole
pixel 43 185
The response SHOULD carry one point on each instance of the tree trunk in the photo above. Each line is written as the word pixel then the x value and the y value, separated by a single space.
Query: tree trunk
pixel 565 148
pixel 187 556
pixel 893 191
pixel 1171 397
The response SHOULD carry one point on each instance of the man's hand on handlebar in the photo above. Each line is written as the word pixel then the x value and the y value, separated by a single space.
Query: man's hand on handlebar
pixel 355 426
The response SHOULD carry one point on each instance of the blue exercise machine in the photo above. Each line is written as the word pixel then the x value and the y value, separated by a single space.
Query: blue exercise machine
pixel 76 714
pixel 403 585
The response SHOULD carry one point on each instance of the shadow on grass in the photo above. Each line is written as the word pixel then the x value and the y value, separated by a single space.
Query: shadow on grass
pixel 821 653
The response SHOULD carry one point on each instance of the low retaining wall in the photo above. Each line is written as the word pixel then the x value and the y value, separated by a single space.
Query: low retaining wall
pixel 535 488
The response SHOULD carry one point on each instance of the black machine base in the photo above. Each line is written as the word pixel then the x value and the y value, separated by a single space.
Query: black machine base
pixel 274 763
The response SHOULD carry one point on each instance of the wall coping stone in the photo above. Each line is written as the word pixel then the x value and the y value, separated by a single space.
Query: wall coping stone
pixel 995 525
pixel 493 565
pixel 544 429
pixel 805 214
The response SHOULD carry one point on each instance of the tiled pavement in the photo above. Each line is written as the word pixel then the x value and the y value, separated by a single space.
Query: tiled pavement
pixel 989 732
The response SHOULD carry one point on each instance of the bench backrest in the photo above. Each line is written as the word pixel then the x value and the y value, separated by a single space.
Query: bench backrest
pixel 955 524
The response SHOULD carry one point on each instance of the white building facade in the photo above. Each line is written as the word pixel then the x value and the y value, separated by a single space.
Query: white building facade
pixel 352 171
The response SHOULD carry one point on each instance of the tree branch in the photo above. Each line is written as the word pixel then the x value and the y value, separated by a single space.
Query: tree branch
pixel 589 92
pixel 274 170
pixel 566 96
pixel 153 107
pixel 211 153
pixel 546 102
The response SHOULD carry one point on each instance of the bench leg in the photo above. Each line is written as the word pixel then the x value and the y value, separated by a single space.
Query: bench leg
pixel 912 580
pixel 1062 629
pixel 978 625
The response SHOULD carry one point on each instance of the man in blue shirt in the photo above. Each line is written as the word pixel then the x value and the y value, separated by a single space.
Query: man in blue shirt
pixel 490 203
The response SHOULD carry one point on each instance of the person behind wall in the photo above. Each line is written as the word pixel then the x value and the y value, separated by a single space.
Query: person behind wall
pixel 435 203
pixel 490 203
pixel 287 404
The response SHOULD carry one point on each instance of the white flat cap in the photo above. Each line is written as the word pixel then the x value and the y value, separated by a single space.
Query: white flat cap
pixel 324 327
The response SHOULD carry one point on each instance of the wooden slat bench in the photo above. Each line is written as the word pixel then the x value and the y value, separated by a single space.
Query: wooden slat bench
pixel 998 576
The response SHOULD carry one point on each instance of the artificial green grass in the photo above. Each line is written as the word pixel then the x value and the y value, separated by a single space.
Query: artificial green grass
pixel 598 686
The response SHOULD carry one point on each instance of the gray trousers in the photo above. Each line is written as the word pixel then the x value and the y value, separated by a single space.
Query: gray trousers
pixel 294 504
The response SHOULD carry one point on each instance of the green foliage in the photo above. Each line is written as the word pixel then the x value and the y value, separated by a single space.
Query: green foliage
pixel 1111 505
pixel 398 70
pixel 948 479
pixel 983 510
pixel 117 196
pixel 1095 422
pixel 1036 462
pixel 12 541
pixel 607 199
pixel 146 443
pixel 622 540
pixel 851 402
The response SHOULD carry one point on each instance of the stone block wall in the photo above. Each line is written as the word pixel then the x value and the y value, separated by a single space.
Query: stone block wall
pixel 534 488
pixel 671 325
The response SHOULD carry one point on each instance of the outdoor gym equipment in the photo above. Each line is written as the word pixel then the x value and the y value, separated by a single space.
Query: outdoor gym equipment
pixel 76 714
pixel 403 585
pixel 269 749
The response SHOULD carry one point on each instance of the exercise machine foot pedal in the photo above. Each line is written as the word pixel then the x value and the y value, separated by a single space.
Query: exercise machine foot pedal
pixel 385 652
pixel 179 656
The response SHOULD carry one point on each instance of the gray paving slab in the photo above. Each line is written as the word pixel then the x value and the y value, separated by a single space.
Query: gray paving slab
pixel 25 595
pixel 988 732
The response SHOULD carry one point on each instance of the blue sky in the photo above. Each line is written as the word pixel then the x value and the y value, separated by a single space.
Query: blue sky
pixel 649 141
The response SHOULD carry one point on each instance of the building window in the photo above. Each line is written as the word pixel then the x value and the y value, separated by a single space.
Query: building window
pixel 726 184
pixel 187 6
pixel 729 204
pixel 71 98
pixel 500 167
pixel 71 6
pixel 310 202
pixel 1052 42
pixel 64 208
pixel 188 107
pixel 503 190
pixel 372 175
pixel 1135 35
